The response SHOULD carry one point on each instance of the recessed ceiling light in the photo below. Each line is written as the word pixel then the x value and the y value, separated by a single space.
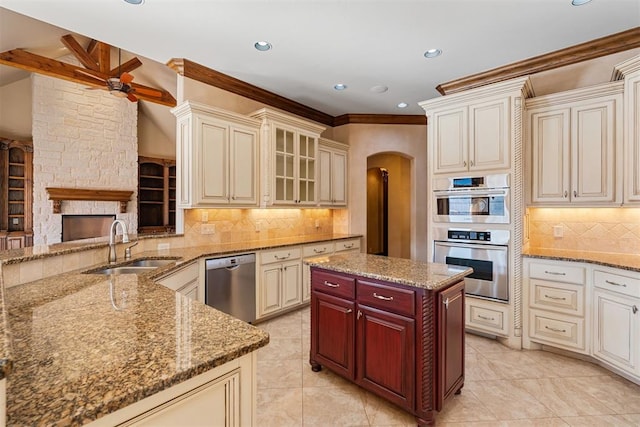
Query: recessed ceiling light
pixel 379 89
pixel 579 2
pixel 262 46
pixel 432 53
pixel 340 86
pixel 134 1
pixel 403 105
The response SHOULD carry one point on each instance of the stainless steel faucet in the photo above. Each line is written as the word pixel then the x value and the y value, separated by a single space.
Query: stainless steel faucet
pixel 112 238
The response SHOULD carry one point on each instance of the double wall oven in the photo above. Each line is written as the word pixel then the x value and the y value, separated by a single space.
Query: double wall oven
pixel 471 228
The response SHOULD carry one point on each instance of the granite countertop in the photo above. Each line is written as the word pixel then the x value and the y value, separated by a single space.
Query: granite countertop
pixel 429 276
pixel 79 346
pixel 608 259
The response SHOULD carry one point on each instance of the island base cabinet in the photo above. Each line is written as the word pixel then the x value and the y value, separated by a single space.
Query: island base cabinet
pixel 402 343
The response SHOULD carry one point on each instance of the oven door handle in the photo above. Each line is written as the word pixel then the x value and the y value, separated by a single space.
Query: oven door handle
pixel 476 246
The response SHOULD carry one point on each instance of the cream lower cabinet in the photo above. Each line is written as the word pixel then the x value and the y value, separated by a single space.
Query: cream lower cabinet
pixel 347 245
pixel 487 316
pixel 576 143
pixel 311 251
pixel 556 299
pixel 616 329
pixel 217 157
pixel 279 282
pixel 333 173
pixel 223 396
pixel 185 280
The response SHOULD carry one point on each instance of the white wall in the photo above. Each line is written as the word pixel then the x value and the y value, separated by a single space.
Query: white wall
pixel 81 139
pixel 15 110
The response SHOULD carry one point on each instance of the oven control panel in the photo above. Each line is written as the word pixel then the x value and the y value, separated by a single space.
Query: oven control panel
pixel 482 236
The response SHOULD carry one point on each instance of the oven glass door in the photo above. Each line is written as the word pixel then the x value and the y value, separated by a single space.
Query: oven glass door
pixel 479 207
pixel 490 267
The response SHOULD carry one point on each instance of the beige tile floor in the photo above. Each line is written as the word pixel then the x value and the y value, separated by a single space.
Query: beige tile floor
pixel 503 387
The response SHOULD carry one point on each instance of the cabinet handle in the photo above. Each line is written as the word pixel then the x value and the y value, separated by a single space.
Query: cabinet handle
pixel 624 285
pixel 634 309
pixel 446 304
pixel 555 273
pixel 359 314
pixel 556 298
pixel 383 298
pixel 233 197
pixel 486 318
pixel 349 246
pixel 464 163
pixel 282 257
pixel 575 193
pixel 566 193
pixel 331 285
pixel 555 329
pixel 470 162
pixel 349 311
pixel 320 251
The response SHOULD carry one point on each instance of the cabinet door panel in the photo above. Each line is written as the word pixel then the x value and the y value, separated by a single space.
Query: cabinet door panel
pixel 333 339
pixel 214 163
pixel 550 142
pixel 632 124
pixel 291 289
pixel 450 141
pixel 324 179
pixel 244 167
pixel 339 178
pixel 386 362
pixel 270 289
pixel 450 342
pixel 616 330
pixel 489 135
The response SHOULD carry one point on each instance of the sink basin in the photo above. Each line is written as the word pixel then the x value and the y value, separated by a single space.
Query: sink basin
pixel 126 269
pixel 150 263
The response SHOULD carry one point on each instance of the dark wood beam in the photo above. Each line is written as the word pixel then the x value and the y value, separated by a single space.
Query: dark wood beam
pixel 92 49
pixel 104 57
pixel 603 46
pixel 130 65
pixel 78 51
pixel 379 119
pixel 50 67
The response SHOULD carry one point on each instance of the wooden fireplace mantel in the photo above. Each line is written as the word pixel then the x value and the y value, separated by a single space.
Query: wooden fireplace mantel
pixel 88 194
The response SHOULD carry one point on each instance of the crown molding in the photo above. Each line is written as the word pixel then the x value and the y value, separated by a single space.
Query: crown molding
pixel 603 46
pixel 379 119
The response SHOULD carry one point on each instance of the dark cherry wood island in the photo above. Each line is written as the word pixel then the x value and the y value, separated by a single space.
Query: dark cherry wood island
pixel 393 326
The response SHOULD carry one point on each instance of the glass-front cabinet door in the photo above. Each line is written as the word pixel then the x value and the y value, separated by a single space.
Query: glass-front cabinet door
pixel 295 167
pixel 285 161
pixel 306 169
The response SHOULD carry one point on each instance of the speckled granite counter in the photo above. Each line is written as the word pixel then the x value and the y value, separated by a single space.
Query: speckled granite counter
pixel 608 259
pixel 81 346
pixel 397 270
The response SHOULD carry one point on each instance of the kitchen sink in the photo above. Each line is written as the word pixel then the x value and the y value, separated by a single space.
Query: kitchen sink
pixel 139 266
pixel 150 263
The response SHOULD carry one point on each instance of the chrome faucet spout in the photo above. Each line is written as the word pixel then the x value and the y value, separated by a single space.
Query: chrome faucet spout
pixel 112 238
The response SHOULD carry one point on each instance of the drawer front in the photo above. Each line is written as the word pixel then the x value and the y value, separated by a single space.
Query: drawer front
pixel 486 318
pixel 620 283
pixel 179 278
pixel 347 245
pixel 561 330
pixel 563 297
pixel 333 284
pixel 558 273
pixel 280 255
pixel 318 249
pixel 395 300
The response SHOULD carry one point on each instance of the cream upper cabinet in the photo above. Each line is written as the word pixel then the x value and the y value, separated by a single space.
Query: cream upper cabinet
pixel 217 157
pixel 472 131
pixel 472 137
pixel 576 143
pixel 290 159
pixel 629 72
pixel 333 173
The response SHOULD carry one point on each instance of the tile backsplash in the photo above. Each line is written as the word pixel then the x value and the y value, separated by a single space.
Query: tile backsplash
pixel 592 229
pixel 207 226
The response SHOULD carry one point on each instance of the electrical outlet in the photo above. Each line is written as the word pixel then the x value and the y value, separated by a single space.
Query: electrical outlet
pixel 317 223
pixel 204 216
pixel 164 246
pixel 558 231
pixel 208 229
pixel 258 226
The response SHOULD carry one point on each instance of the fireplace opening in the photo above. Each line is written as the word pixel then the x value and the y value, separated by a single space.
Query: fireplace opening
pixel 77 227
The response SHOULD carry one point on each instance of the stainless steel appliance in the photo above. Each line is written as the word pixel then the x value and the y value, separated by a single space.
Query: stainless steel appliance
pixel 486 251
pixel 230 285
pixel 481 199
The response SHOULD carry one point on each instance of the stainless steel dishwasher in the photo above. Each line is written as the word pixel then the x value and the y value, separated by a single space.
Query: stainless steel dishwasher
pixel 231 285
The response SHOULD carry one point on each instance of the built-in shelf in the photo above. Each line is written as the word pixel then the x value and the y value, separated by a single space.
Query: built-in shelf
pixel 57 195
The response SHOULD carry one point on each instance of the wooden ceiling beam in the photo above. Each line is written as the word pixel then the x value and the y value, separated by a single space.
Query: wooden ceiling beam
pixel 92 49
pixel 50 67
pixel 104 57
pixel 380 119
pixel 130 65
pixel 78 51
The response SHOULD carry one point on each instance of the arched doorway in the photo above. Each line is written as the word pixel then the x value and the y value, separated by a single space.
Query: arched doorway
pixel 389 229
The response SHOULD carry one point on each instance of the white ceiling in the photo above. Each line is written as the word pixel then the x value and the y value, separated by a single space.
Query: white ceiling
pixel 318 43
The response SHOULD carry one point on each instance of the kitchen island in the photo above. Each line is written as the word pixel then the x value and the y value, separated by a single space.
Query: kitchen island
pixel 393 326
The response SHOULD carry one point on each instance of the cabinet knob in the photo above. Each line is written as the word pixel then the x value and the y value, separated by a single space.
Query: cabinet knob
pixel 470 162
pixel 566 193
pixel 635 309
pixel 464 163
pixel 359 314
pixel 575 193
pixel 446 304
pixel 349 311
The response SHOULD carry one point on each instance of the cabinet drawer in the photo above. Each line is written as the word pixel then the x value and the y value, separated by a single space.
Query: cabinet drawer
pixel 396 300
pixel 177 279
pixel 486 319
pixel 563 297
pixel 318 249
pixel 347 245
pixel 333 284
pixel 558 272
pixel 620 283
pixel 279 255
pixel 556 329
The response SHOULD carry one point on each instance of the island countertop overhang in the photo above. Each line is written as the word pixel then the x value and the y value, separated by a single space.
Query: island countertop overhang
pixel 430 276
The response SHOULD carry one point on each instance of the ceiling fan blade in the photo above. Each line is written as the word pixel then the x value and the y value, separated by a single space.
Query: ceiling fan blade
pixel 94 88
pixel 131 97
pixel 90 74
pixel 126 78
pixel 146 91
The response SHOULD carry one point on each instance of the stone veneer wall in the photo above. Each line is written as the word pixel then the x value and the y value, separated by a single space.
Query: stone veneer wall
pixel 614 230
pixel 82 139
pixel 235 225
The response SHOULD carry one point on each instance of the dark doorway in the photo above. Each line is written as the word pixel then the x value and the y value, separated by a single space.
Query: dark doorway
pixel 377 211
